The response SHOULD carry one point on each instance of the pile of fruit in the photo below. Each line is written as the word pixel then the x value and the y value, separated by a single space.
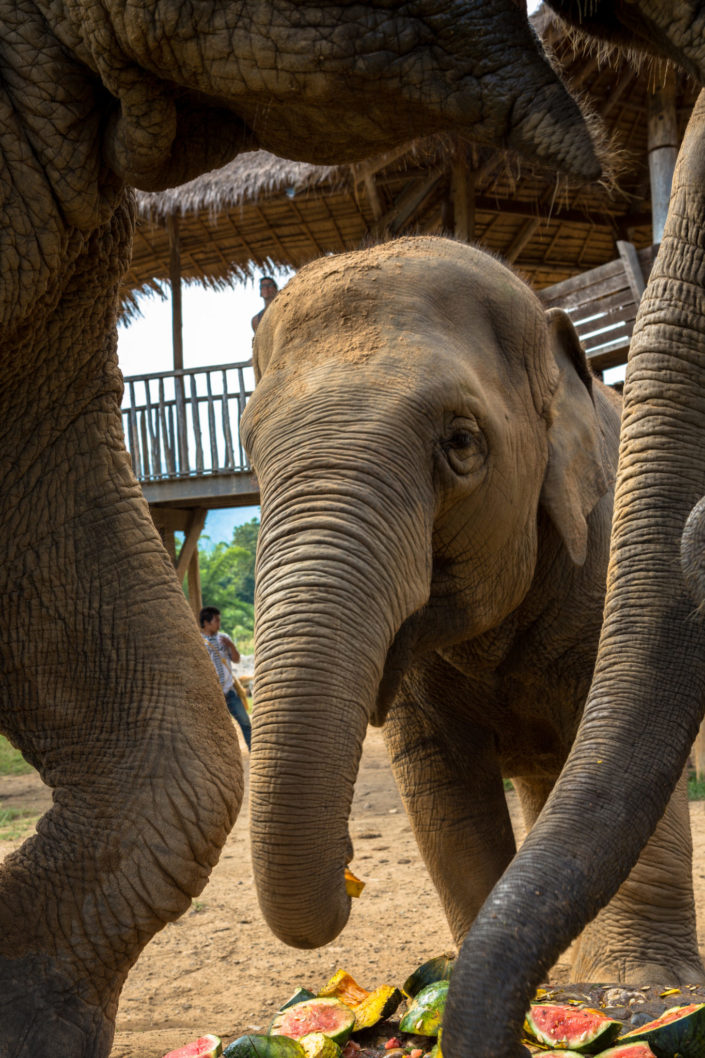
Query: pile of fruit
pixel 324 1025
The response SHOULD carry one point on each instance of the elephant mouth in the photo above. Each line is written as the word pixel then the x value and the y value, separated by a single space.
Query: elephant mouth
pixel 430 628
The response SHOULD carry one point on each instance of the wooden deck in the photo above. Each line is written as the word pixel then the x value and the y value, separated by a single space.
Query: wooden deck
pixel 182 430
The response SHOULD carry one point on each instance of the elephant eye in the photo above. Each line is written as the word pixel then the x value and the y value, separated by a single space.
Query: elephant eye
pixel 464 446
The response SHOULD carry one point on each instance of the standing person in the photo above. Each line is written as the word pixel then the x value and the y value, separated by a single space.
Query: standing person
pixel 267 290
pixel 223 652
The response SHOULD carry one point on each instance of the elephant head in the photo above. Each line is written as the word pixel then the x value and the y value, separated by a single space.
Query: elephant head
pixel 415 407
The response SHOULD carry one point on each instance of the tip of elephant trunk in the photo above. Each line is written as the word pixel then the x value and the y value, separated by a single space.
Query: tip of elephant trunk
pixel 310 932
pixel 552 128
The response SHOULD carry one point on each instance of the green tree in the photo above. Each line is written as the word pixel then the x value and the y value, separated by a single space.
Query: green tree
pixel 228 581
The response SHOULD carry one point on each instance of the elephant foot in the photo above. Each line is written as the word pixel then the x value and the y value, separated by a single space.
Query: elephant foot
pixel 665 963
pixel 43 1016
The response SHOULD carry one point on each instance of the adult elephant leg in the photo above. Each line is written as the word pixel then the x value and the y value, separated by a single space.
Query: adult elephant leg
pixel 649 686
pixel 104 686
pixel 453 795
pixel 647 932
pixel 533 794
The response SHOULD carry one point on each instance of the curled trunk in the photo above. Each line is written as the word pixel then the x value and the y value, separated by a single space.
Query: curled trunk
pixel 649 686
pixel 334 583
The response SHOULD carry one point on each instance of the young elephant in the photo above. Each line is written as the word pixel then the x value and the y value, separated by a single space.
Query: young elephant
pixel 436 465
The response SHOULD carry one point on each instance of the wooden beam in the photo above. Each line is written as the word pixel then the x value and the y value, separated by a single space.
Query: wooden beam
pixel 368 180
pixel 520 240
pixel 171 519
pixel 408 202
pixel 632 268
pixel 190 544
pixel 172 224
pixel 662 145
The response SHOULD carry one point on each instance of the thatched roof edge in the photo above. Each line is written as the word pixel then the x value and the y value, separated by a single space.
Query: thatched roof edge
pixel 245 178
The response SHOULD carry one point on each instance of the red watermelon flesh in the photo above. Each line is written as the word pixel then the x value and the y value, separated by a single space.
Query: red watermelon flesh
pixel 574 1028
pixel 326 1015
pixel 205 1047
pixel 681 1030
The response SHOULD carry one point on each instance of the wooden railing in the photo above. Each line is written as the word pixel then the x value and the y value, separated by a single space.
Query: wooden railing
pixel 603 303
pixel 186 423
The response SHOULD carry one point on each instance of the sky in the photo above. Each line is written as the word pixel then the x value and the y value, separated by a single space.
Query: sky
pixel 216 330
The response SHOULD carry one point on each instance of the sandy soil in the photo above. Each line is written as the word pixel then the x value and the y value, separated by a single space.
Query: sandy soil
pixel 218 969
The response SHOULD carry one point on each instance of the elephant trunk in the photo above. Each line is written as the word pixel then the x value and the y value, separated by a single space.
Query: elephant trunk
pixel 333 586
pixel 328 84
pixel 648 691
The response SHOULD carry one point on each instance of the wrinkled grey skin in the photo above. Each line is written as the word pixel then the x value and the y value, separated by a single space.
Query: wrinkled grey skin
pixel 436 468
pixel 104 682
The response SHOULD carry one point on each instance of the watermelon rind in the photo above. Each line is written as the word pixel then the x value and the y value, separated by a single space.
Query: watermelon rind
pixel 264 1047
pixel 208 1046
pixel 326 1015
pixel 436 969
pixel 369 1007
pixel 626 1050
pixel 299 996
pixel 426 1010
pixel 679 1030
pixel 572 1028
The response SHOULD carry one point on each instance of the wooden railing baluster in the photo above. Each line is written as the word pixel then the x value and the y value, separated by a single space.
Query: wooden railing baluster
pixel 211 423
pixel 168 440
pixel 196 422
pixel 157 427
pixel 227 432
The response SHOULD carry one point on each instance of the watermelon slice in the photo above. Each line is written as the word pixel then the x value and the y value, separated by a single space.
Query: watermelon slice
pixel 573 1028
pixel 426 1010
pixel 326 1015
pixel 681 1031
pixel 368 1007
pixel 438 969
pixel 205 1047
pixel 263 1047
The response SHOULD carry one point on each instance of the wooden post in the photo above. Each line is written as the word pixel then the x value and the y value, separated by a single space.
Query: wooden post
pixel 662 148
pixel 632 268
pixel 177 339
pixel 699 752
pixel 462 183
pixel 190 544
pixel 194 585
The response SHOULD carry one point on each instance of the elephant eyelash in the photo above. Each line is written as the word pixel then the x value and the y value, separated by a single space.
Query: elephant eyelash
pixel 460 439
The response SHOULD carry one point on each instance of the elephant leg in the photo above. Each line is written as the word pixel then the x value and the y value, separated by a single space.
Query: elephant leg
pixel 449 779
pixel 533 794
pixel 648 930
pixel 107 690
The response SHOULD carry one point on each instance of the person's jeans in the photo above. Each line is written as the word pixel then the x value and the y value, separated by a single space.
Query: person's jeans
pixel 237 710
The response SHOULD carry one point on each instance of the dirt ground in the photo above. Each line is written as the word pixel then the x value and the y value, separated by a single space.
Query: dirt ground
pixel 218 969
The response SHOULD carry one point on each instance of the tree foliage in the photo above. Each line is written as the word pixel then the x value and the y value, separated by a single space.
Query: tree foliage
pixel 228 581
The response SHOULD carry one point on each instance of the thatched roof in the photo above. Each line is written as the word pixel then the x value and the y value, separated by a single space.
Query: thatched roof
pixel 262 213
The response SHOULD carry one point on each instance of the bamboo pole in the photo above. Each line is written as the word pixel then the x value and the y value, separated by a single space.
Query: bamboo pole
pixel 177 338
pixel 662 148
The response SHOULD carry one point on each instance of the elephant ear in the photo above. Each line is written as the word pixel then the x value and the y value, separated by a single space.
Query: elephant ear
pixel 575 476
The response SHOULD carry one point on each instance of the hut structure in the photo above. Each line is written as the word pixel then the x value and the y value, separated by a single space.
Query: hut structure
pixel 587 248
